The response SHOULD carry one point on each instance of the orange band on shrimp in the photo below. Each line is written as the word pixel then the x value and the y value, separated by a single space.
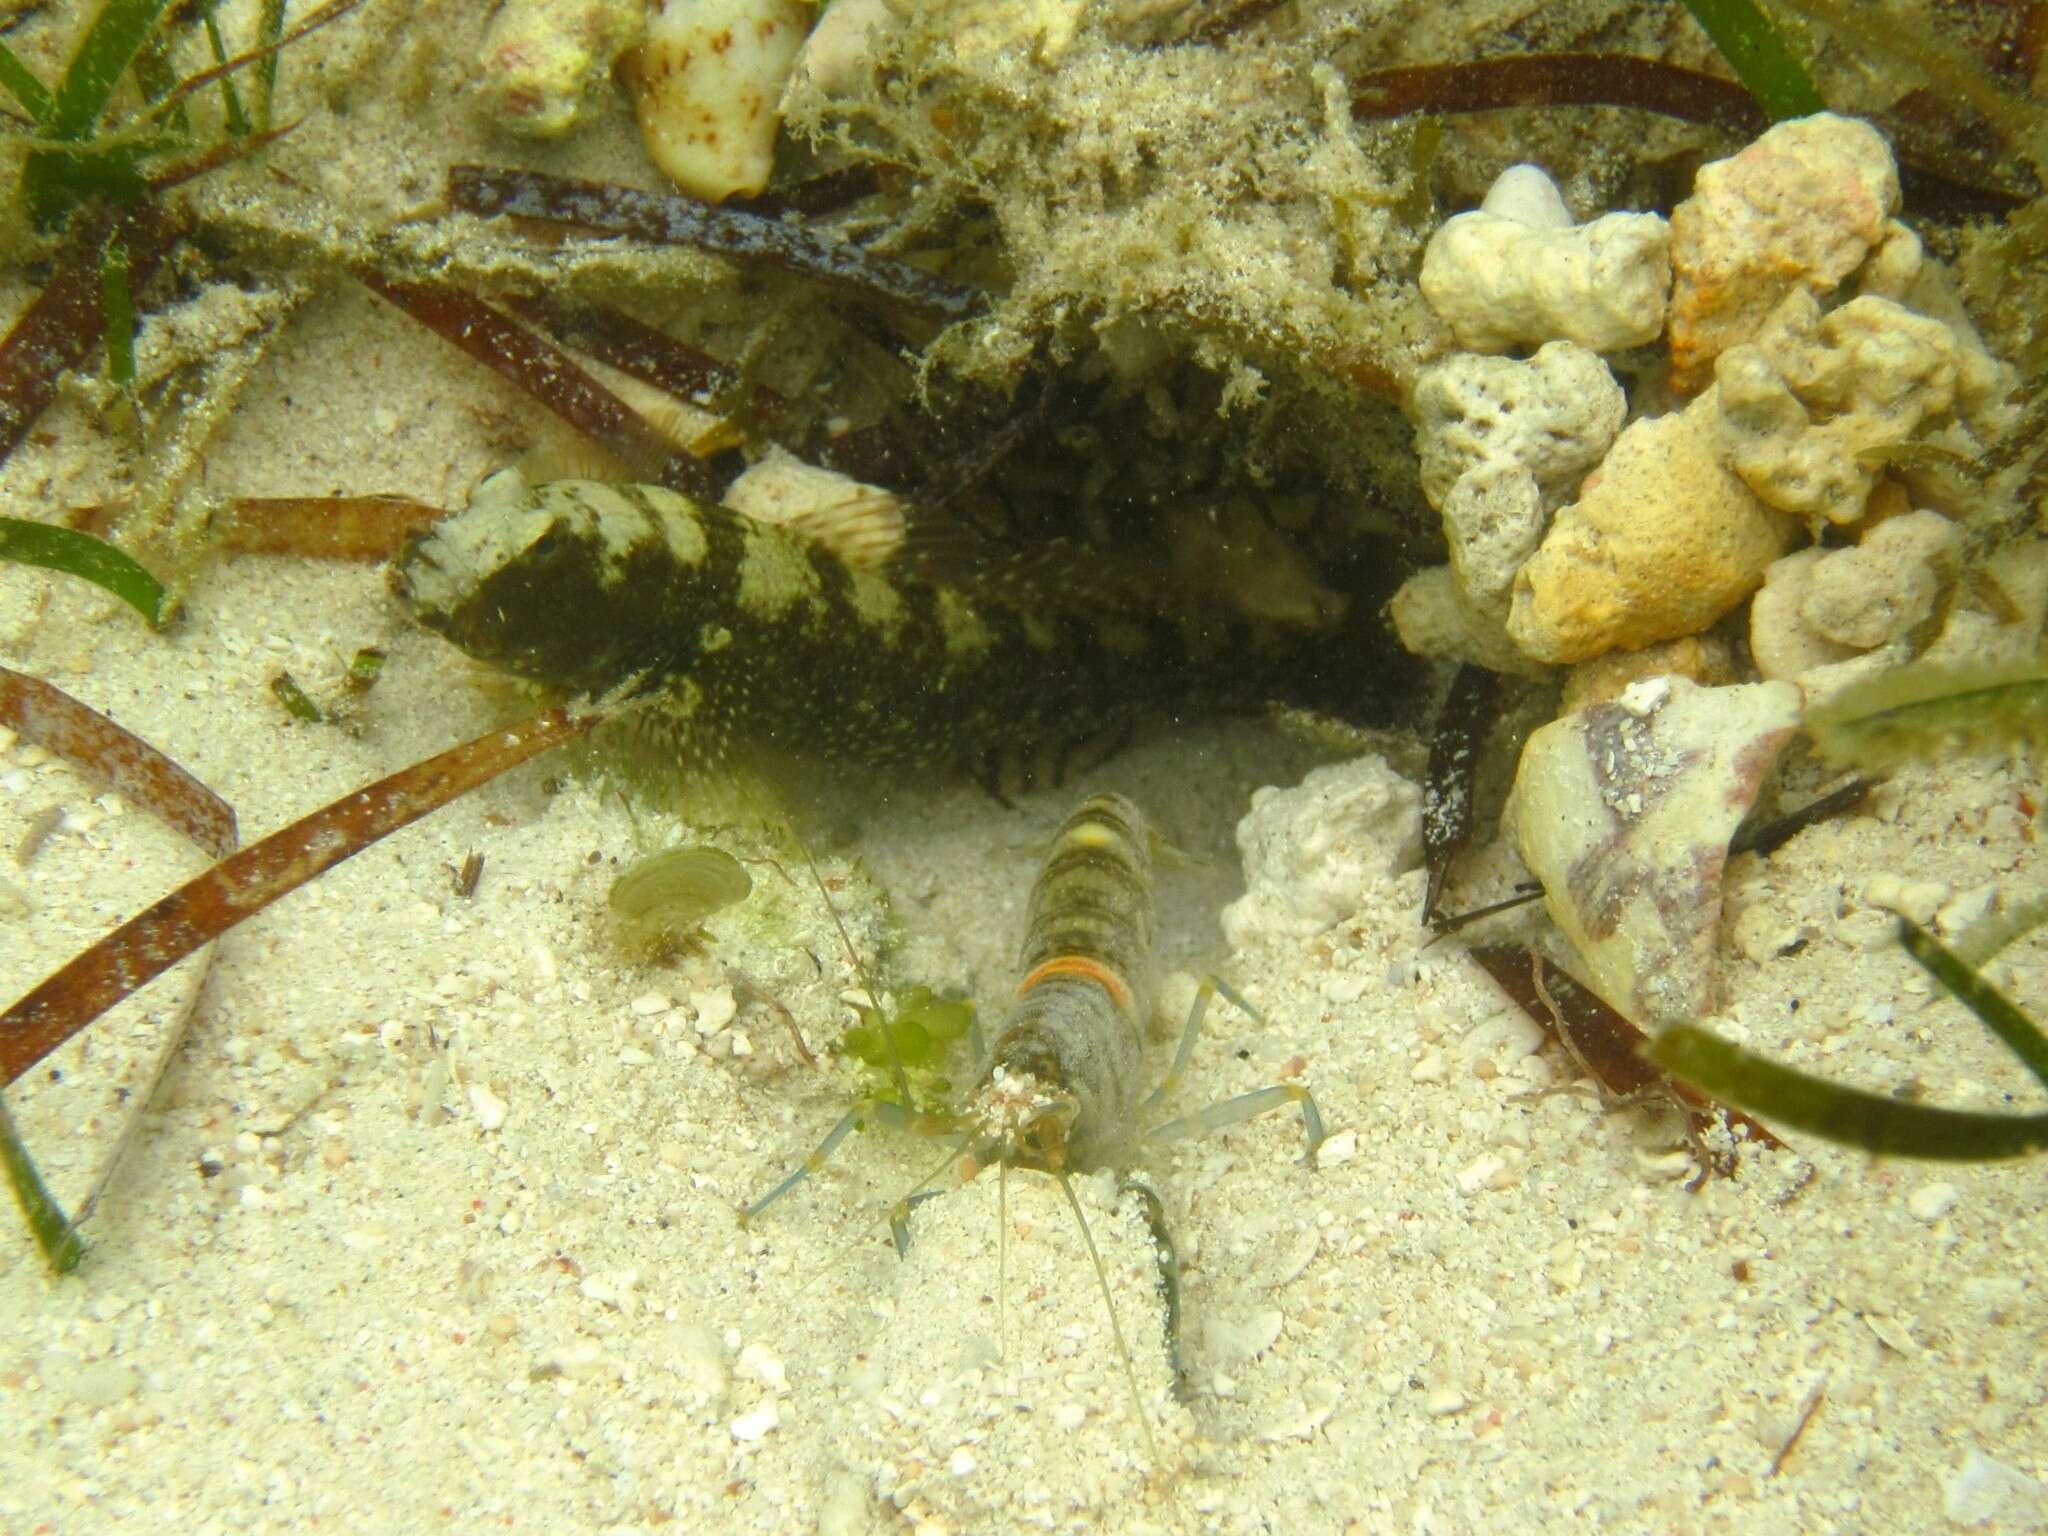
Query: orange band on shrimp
pixel 1089 970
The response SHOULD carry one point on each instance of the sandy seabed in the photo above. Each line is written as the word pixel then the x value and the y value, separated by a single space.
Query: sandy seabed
pixel 433 1219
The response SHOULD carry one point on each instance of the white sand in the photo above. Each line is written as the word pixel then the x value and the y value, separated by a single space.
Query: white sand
pixel 321 1287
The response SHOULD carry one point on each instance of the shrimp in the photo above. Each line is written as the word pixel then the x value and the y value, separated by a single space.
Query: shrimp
pixel 1060 1091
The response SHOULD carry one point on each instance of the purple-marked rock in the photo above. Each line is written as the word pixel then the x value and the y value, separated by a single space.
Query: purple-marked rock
pixel 1624 811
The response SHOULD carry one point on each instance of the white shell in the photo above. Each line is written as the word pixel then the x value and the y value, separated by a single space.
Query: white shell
pixel 707 84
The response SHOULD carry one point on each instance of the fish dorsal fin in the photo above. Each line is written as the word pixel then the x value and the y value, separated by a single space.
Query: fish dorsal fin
pixel 862 525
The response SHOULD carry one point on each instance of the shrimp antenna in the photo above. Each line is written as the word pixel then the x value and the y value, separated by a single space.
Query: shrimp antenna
pixel 899 1213
pixel 867 980
pixel 897 1073
pixel 1116 1331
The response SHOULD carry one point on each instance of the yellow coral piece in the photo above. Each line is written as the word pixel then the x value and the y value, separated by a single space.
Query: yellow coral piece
pixel 1662 542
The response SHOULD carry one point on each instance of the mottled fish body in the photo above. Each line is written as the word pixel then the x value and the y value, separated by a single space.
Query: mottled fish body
pixel 761 634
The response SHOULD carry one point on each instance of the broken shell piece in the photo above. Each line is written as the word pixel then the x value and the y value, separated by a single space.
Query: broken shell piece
pixel 840 51
pixel 1624 812
pixel 707 83
pixel 543 59
pixel 1500 282
pixel 1662 541
pixel 1799 209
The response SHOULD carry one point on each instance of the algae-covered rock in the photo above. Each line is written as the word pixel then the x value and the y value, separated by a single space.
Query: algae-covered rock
pixel 1799 209
pixel 1811 407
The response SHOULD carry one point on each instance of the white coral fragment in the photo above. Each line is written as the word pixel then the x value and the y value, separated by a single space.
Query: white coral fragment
pixel 1555 414
pixel 1624 811
pixel 1500 282
pixel 1433 618
pixel 1312 852
pixel 1502 443
pixel 1493 518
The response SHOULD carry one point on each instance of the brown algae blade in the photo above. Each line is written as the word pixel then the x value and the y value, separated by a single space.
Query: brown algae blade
pixel 238 887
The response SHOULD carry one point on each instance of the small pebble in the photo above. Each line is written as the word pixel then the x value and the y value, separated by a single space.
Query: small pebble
pixel 99 1384
pixel 1338 1150
pixel 1444 1402
pixel 714 1009
pixel 1931 1202
pixel 1344 987
pixel 754 1424
pixel 488 1108
pixel 1243 1336
pixel 576 1362
pixel 1966 908
pixel 1919 900
pixel 648 1004
pixel 1984 1489
pixel 763 1366
pixel 962 1462
pixel 1480 1172
pixel 1069 1416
